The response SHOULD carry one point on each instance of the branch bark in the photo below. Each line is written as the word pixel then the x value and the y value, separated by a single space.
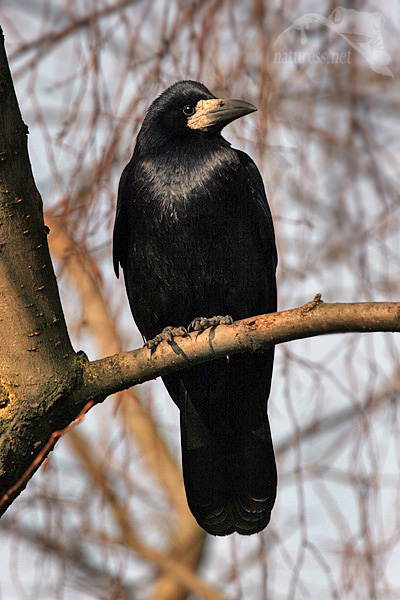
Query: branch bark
pixel 254 334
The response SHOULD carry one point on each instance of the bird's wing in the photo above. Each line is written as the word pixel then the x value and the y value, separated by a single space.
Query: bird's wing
pixel 127 254
pixel 120 235
pixel 266 227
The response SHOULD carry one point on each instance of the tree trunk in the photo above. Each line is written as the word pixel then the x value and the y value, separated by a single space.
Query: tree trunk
pixel 38 367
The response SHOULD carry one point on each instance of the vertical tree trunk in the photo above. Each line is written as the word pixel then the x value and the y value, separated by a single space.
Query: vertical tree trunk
pixel 37 360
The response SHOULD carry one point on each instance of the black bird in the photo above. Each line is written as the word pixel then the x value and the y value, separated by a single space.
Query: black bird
pixel 194 236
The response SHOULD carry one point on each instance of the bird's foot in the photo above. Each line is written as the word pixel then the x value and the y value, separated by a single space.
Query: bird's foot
pixel 167 335
pixel 201 323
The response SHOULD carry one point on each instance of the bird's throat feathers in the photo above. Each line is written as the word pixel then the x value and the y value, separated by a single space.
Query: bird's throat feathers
pixel 186 172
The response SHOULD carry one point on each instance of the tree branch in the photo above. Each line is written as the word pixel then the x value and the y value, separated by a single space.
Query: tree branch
pixel 255 334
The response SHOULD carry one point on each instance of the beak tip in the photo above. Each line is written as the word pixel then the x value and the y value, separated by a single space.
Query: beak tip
pixel 245 107
pixel 242 107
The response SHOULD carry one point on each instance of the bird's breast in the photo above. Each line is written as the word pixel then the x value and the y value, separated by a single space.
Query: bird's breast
pixel 188 182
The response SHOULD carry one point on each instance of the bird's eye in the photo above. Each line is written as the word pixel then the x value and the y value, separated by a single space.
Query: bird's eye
pixel 188 110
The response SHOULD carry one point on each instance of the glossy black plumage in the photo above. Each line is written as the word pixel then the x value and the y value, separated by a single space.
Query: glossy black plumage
pixel 194 236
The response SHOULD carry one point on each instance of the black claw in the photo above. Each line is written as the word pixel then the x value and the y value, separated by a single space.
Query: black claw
pixel 194 324
pixel 181 331
pixel 197 324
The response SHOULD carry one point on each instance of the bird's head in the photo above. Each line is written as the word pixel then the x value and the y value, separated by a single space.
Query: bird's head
pixel 188 108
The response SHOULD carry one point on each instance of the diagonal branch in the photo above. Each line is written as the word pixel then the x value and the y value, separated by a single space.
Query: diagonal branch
pixel 255 334
pixel 100 378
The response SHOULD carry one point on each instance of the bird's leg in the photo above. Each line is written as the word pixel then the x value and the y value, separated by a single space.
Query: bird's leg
pixel 167 335
pixel 201 323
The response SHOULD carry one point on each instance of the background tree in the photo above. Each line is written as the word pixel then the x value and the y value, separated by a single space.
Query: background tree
pixel 107 510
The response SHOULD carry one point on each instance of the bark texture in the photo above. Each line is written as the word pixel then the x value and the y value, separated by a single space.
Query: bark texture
pixel 38 367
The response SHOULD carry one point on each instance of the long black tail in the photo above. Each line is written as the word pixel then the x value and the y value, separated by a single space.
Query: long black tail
pixel 228 460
